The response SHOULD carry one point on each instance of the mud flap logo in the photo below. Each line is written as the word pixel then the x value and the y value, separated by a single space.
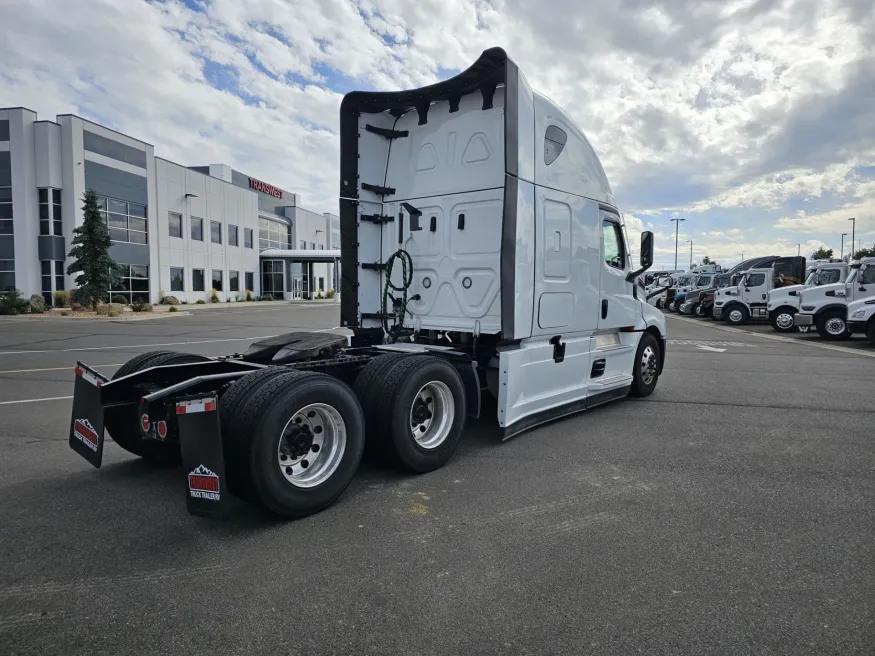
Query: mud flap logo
pixel 85 433
pixel 203 484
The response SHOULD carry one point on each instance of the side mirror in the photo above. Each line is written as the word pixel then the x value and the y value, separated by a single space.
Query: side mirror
pixel 646 256
pixel 646 249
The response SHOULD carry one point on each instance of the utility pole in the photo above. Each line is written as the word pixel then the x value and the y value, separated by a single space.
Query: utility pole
pixel 691 253
pixel 677 222
pixel 798 249
pixel 842 252
pixel 853 221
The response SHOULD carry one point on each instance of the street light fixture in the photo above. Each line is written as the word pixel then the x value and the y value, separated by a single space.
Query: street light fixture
pixel 676 224
pixel 853 221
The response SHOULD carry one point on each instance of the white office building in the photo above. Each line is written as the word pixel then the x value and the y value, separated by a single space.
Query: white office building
pixel 176 230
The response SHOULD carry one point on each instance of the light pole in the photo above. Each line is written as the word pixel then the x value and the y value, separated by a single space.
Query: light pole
pixel 691 252
pixel 676 224
pixel 842 252
pixel 798 249
pixel 853 221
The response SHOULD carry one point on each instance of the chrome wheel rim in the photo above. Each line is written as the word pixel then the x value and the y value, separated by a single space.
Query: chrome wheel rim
pixel 432 414
pixel 835 326
pixel 784 321
pixel 311 445
pixel 648 365
pixel 735 316
pixel 699 311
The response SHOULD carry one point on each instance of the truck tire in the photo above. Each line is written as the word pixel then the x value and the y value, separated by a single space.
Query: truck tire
pixel 736 315
pixel 645 374
pixel 368 389
pixel 420 412
pixel 694 310
pixel 782 319
pixel 699 310
pixel 831 325
pixel 302 434
pixel 870 332
pixel 123 424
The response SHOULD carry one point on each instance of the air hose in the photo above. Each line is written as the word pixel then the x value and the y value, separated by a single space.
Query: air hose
pixel 399 305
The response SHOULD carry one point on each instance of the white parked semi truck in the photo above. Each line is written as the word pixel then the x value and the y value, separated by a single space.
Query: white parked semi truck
pixel 826 307
pixel 783 302
pixel 861 318
pixel 482 253
pixel 738 305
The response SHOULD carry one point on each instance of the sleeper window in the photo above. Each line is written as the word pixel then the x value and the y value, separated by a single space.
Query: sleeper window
pixel 554 142
pixel 613 245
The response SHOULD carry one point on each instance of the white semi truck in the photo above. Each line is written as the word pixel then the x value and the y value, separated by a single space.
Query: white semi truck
pixel 482 252
pixel 738 305
pixel 861 318
pixel 826 307
pixel 783 302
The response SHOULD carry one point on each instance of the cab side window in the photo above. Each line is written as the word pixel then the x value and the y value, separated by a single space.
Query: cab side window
pixel 756 279
pixel 612 242
pixel 868 276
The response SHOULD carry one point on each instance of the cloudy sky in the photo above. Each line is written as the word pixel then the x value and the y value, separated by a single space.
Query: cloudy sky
pixel 753 120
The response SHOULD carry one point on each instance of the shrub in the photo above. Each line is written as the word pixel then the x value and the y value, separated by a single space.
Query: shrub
pixel 106 310
pixel 201 302
pixel 114 312
pixel 170 300
pixel 13 303
pixel 173 308
pixel 248 295
pixel 118 298
pixel 228 300
pixel 141 306
pixel 37 304
pixel 214 296
pixel 185 302
pixel 330 293
pixel 267 297
pixel 65 313
pixel 62 298
pixel 77 307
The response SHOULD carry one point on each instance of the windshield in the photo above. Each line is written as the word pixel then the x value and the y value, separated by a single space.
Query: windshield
pixel 685 281
pixel 852 274
pixel 664 281
pixel 828 276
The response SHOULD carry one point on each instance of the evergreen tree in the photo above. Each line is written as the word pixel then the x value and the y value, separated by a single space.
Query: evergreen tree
pixel 97 271
pixel 822 253
pixel 864 252
pixel 707 260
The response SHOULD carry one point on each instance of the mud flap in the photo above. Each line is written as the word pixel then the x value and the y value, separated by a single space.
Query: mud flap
pixel 86 424
pixel 200 439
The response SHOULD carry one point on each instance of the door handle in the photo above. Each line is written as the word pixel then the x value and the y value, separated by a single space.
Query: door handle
pixel 604 308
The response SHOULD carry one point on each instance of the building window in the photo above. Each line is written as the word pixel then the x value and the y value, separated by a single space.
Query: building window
pixel 126 221
pixel 175 222
pixel 233 281
pixel 321 247
pixel 247 237
pixel 303 245
pixel 215 232
pixel 197 228
pixel 334 222
pixel 321 284
pixel 232 235
pixel 134 285
pixel 217 279
pixel 5 170
pixel 59 275
pixel 197 280
pixel 312 245
pixel 274 234
pixel 272 273
pixel 177 278
pixel 5 226
pixel 7 275
pixel 250 281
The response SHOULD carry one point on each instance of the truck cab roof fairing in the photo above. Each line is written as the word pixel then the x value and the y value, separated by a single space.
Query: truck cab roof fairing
pixel 490 70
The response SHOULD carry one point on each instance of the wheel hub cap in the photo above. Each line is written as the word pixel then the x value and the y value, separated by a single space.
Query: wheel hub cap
pixel 784 320
pixel 735 315
pixel 835 326
pixel 648 365
pixel 311 445
pixel 432 414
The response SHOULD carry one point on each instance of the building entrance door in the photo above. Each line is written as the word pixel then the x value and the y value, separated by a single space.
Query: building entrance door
pixel 297 287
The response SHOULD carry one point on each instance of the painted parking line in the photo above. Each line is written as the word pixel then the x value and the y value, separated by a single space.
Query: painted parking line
pixel 137 346
pixel 50 398
pixel 30 371
pixel 777 338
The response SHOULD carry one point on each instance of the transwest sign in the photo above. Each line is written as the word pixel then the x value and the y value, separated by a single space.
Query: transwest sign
pixel 265 188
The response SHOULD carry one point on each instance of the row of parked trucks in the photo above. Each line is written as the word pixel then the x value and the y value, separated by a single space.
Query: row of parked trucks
pixel 794 294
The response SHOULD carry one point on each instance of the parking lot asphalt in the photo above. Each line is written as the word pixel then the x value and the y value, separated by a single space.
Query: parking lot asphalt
pixel 730 512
